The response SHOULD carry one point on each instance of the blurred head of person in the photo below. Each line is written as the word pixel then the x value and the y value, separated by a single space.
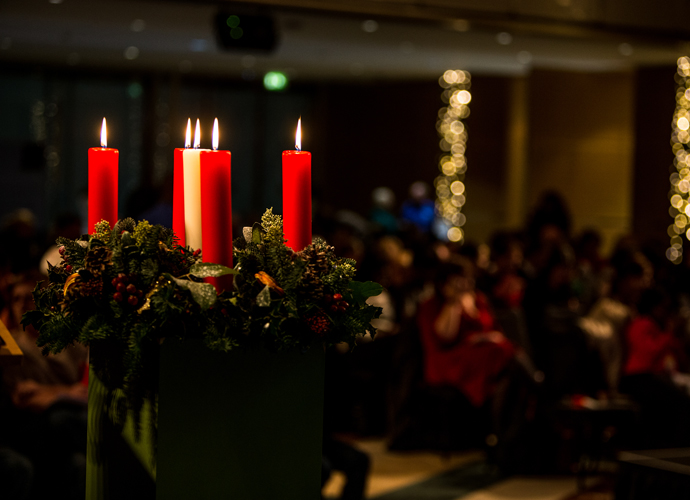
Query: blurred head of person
pixel 506 252
pixel 454 278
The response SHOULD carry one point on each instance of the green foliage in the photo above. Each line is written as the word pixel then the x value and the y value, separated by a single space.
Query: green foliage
pixel 123 290
pixel 103 230
pixel 286 297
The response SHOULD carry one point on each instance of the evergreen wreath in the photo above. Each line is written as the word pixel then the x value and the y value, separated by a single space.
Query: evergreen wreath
pixel 123 291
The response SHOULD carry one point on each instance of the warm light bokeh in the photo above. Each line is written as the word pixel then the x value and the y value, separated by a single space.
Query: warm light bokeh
pixel 680 180
pixel 450 188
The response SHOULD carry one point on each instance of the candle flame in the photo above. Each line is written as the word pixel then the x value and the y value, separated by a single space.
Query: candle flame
pixel 298 135
pixel 188 135
pixel 214 139
pixel 104 135
pixel 197 135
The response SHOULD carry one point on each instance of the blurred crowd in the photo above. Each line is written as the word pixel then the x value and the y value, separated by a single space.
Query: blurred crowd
pixel 535 346
pixel 500 345
pixel 43 399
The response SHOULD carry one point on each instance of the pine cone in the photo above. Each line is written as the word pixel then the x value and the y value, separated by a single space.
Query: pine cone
pixel 97 259
pixel 318 264
pixel 80 287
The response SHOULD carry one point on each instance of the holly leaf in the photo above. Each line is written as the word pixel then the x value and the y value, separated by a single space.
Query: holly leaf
pixel 362 290
pixel 33 317
pixel 54 274
pixel 210 270
pixel 264 297
pixel 203 294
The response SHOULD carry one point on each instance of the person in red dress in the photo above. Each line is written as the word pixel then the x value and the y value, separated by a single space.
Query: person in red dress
pixel 655 375
pixel 461 343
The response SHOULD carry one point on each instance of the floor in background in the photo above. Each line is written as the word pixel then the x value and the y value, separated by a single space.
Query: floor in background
pixel 463 475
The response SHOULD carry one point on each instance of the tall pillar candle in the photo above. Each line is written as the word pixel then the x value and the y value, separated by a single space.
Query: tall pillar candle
pixel 192 192
pixel 103 173
pixel 297 195
pixel 178 187
pixel 216 208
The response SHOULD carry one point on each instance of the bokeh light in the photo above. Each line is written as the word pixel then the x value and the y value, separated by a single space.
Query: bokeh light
pixel 680 179
pixel 275 80
pixel 450 186
pixel 455 234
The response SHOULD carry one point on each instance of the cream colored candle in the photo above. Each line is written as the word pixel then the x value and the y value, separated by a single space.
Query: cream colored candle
pixel 192 191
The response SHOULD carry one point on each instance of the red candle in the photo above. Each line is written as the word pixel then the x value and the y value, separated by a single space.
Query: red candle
pixel 178 187
pixel 103 163
pixel 297 194
pixel 216 208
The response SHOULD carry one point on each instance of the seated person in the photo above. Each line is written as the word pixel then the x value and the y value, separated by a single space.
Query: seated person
pixel 462 347
pixel 652 374
pixel 44 415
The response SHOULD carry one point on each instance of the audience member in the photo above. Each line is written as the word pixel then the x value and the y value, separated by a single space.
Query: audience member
pixel 461 344
pixel 44 417
pixel 652 373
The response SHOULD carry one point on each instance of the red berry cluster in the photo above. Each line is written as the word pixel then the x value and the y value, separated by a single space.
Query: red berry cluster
pixel 126 291
pixel 319 324
pixel 61 251
pixel 337 304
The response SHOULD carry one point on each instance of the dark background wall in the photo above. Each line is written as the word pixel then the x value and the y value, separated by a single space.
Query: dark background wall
pixel 601 139
pixel 654 103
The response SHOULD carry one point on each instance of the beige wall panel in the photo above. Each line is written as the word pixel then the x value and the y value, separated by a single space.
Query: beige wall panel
pixel 581 144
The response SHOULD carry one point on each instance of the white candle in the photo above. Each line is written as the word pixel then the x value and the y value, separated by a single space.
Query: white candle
pixel 192 191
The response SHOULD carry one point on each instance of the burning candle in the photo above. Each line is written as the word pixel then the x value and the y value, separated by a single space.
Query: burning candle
pixel 178 186
pixel 103 169
pixel 192 191
pixel 216 208
pixel 297 194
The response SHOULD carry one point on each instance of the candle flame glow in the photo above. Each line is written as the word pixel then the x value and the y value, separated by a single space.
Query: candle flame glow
pixel 197 135
pixel 298 135
pixel 214 139
pixel 104 135
pixel 188 135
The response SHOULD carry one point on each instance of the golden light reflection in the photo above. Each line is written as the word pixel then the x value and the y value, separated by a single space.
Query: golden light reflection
pixel 457 187
pixel 455 234
pixel 450 186
pixel 680 179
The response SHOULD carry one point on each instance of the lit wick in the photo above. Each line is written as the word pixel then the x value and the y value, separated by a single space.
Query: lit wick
pixel 214 137
pixel 298 135
pixel 197 135
pixel 104 136
pixel 188 135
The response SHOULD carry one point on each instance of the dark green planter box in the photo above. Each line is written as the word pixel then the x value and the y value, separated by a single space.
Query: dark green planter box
pixel 244 425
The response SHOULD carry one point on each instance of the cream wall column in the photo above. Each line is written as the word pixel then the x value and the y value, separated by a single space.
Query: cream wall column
pixel 517 153
pixel 581 145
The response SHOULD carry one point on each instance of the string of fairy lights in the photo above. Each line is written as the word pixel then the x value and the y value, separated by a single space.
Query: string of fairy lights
pixel 450 188
pixel 680 179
